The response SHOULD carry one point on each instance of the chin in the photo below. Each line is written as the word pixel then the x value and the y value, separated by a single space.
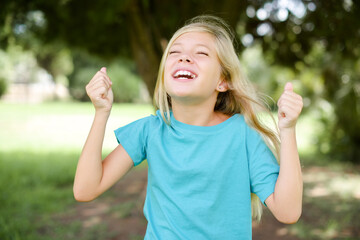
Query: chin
pixel 180 91
pixel 182 96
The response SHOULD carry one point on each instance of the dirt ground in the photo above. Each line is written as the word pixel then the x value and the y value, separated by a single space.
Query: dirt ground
pixel 119 212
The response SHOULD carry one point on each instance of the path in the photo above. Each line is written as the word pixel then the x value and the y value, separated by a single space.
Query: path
pixel 119 211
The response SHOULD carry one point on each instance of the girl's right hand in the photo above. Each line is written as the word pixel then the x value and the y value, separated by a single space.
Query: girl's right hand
pixel 100 92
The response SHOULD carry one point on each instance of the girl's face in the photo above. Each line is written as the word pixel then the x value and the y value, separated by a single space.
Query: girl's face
pixel 192 69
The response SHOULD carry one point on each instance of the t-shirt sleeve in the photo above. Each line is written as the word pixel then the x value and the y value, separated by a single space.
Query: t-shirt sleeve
pixel 263 167
pixel 133 137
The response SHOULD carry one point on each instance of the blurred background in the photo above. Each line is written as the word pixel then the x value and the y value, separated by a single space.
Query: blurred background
pixel 49 50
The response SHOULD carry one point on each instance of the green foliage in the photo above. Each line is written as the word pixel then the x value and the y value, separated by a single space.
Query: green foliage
pixel 337 98
pixel 271 79
pixel 336 105
pixel 3 86
pixel 4 73
pixel 323 51
pixel 126 84
pixel 317 41
pixel 56 59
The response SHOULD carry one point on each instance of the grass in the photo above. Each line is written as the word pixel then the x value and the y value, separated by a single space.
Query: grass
pixel 32 186
pixel 53 126
pixel 330 205
pixel 40 146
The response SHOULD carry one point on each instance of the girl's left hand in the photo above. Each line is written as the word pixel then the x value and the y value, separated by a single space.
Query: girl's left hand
pixel 290 105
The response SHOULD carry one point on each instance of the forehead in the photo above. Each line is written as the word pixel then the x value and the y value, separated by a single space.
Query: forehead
pixel 196 38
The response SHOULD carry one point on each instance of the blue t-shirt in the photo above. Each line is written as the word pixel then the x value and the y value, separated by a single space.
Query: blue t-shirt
pixel 200 178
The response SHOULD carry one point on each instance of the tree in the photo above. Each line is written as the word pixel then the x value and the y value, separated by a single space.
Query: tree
pixel 133 29
pixel 290 31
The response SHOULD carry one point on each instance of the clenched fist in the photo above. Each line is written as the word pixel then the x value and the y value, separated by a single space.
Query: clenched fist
pixel 290 105
pixel 100 92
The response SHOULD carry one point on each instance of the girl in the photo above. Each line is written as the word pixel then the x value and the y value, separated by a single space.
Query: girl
pixel 208 154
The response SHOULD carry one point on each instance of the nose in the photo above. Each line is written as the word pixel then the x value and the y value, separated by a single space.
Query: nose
pixel 185 58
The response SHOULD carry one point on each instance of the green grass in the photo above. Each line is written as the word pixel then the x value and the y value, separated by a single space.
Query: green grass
pixel 33 185
pixel 40 146
pixel 53 126
pixel 330 204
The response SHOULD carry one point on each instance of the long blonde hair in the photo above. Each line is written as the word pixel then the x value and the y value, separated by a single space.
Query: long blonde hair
pixel 240 97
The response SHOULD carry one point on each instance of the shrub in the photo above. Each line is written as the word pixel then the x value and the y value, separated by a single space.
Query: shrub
pixel 3 86
pixel 126 83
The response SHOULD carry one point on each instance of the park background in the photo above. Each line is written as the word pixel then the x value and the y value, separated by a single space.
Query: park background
pixel 49 50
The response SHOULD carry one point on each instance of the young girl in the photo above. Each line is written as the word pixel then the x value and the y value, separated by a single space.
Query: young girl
pixel 207 152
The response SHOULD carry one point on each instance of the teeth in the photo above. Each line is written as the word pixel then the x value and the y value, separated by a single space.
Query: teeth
pixel 184 73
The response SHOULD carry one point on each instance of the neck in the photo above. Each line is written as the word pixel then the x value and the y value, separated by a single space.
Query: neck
pixel 197 114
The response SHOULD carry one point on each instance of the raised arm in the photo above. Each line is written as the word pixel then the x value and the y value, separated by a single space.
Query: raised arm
pixel 286 201
pixel 94 176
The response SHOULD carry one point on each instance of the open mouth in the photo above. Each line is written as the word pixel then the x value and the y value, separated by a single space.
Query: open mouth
pixel 184 75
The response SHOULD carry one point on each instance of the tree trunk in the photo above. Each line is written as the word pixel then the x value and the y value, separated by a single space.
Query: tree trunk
pixel 345 135
pixel 143 45
pixel 145 37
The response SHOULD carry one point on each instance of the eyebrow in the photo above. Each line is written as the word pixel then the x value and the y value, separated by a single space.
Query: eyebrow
pixel 198 45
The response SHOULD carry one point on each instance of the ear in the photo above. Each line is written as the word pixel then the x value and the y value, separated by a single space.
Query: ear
pixel 222 86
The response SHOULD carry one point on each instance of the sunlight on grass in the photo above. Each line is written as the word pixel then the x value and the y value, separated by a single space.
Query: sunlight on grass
pixel 40 146
pixel 331 204
pixel 326 182
pixel 60 126
pixel 39 150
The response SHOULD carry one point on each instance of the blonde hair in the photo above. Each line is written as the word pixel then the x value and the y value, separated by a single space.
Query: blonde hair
pixel 240 97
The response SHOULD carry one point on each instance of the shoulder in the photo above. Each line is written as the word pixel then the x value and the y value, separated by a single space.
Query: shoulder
pixel 252 136
pixel 141 126
pixel 148 121
pixel 248 129
pixel 238 121
pixel 139 130
pixel 149 124
pixel 233 125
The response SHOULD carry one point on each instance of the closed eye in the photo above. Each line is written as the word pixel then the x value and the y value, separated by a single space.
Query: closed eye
pixel 203 53
pixel 172 52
